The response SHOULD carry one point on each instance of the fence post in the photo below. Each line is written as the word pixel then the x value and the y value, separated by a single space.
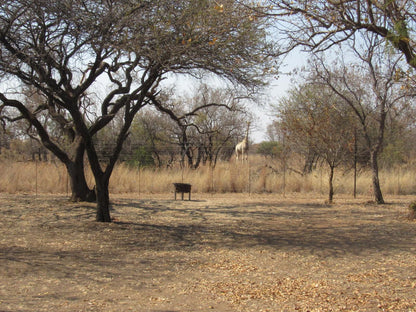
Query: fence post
pixel 36 177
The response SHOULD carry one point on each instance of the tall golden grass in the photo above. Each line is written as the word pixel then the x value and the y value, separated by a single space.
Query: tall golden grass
pixel 256 177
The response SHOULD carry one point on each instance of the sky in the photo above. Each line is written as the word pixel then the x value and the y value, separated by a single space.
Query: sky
pixel 277 89
pixel 264 114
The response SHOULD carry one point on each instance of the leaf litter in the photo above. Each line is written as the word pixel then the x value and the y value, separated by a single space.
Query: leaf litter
pixel 225 252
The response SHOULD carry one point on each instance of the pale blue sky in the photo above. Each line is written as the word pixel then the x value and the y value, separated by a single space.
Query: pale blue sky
pixel 276 90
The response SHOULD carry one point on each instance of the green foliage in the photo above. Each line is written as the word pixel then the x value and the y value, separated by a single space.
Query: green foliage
pixel 142 157
pixel 412 211
pixel 393 154
pixel 270 149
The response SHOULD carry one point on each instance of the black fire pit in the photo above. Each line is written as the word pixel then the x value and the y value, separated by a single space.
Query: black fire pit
pixel 182 188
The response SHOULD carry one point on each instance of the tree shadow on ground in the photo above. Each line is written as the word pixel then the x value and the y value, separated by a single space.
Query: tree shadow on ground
pixel 319 241
pixel 160 226
pixel 316 228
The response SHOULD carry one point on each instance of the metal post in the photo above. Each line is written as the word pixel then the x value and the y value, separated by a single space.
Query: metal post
pixel 284 165
pixel 355 163
pixel 67 181
pixel 36 177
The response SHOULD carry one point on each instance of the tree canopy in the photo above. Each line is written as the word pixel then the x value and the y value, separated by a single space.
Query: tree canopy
pixel 321 25
pixel 91 61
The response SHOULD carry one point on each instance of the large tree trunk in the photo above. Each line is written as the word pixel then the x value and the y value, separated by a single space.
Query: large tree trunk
pixel 103 199
pixel 79 187
pixel 102 180
pixel 378 196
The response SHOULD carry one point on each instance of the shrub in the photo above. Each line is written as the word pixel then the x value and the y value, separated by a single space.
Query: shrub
pixel 142 157
pixel 412 211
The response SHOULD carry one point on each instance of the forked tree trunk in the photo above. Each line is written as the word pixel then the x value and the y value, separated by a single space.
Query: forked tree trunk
pixel 102 180
pixel 378 196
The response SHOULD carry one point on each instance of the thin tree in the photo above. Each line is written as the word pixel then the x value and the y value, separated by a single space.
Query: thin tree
pixel 312 116
pixel 371 89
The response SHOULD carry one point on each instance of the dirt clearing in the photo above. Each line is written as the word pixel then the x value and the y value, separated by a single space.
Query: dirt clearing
pixel 228 252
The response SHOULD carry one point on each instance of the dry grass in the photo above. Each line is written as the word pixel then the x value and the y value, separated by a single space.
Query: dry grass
pixel 32 177
pixel 227 177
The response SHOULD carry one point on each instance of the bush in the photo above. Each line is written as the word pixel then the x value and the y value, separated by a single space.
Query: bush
pixel 142 157
pixel 270 149
pixel 412 211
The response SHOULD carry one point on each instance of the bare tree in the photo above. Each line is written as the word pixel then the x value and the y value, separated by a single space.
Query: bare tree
pixel 69 50
pixel 314 117
pixel 292 114
pixel 205 122
pixel 216 125
pixel 371 89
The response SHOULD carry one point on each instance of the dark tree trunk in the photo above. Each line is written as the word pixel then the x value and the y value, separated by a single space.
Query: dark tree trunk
pixel 309 162
pixel 378 196
pixel 103 200
pixel 198 158
pixel 190 159
pixel 79 187
pixel 331 185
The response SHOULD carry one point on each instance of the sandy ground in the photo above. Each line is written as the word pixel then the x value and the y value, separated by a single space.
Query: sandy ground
pixel 228 252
